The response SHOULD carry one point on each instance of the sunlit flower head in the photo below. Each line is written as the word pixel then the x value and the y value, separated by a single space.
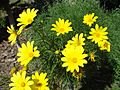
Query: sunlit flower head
pixel 21 29
pixel 27 17
pixel 40 81
pixel 89 19
pixel 73 58
pixel 62 26
pixel 98 34
pixel 78 40
pixel 13 34
pixel 27 52
pixel 20 82
pixel 104 45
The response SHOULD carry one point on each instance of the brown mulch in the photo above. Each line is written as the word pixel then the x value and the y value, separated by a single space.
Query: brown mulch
pixel 7 57
pixel 7 60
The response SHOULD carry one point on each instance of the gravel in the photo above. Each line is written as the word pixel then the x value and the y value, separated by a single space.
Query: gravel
pixel 7 60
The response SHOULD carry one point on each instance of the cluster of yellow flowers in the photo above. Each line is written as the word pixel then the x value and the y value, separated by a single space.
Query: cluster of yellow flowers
pixel 26 18
pixel 74 56
pixel 26 53
pixel 98 34
pixel 22 82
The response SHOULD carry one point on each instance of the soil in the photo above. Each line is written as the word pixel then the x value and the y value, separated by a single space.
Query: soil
pixel 7 60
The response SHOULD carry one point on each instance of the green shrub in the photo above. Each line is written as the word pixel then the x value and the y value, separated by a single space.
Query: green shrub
pixel 2 23
pixel 99 74
pixel 113 24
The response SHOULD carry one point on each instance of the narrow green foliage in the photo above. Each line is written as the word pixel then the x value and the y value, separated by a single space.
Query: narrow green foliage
pixel 101 73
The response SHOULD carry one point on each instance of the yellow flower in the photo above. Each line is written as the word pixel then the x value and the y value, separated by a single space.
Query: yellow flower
pixel 13 34
pixel 89 19
pixel 27 17
pixel 13 70
pixel 40 81
pixel 21 29
pixel 104 45
pixel 73 58
pixel 98 34
pixel 92 56
pixel 26 53
pixel 20 82
pixel 62 26
pixel 76 41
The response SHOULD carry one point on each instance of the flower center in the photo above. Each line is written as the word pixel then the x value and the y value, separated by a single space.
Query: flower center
pixel 62 29
pixel 89 19
pixel 39 84
pixel 29 20
pixel 106 45
pixel 78 43
pixel 97 35
pixel 74 60
pixel 15 33
pixel 31 54
pixel 22 84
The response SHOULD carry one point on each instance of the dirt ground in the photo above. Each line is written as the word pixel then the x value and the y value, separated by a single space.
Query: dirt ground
pixel 7 60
